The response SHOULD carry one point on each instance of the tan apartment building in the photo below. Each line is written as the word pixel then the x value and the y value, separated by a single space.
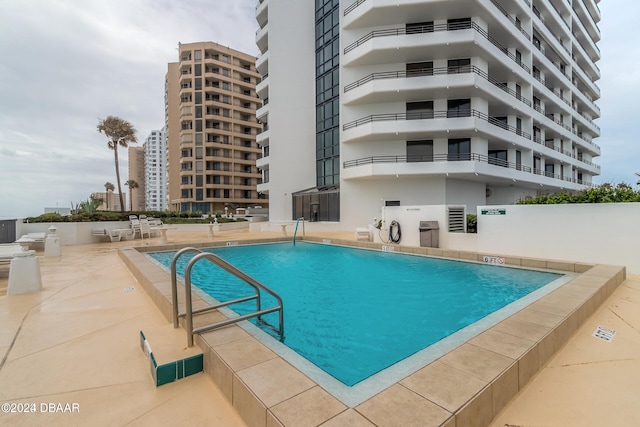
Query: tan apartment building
pixel 110 200
pixel 211 127
pixel 136 173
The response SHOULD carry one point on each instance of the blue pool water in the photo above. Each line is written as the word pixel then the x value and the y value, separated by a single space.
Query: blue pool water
pixel 355 312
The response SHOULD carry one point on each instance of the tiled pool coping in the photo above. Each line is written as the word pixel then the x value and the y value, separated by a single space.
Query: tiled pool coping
pixel 467 386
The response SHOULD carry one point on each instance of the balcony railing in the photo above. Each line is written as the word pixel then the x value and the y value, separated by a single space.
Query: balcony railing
pixel 416 158
pixel 460 157
pixel 435 28
pixel 536 12
pixel 353 6
pixel 510 18
pixel 433 72
pixel 551 145
pixel 436 115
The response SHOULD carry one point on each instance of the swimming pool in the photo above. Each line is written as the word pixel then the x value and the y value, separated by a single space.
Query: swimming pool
pixel 354 312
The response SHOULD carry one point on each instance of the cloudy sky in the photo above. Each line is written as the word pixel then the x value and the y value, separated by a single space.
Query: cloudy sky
pixel 66 64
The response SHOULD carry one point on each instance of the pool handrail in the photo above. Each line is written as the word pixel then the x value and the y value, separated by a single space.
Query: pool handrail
pixel 174 289
pixel 257 286
pixel 296 230
pixel 174 282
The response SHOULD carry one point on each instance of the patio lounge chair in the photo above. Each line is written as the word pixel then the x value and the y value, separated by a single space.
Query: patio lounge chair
pixel 115 235
pixel 145 227
pixel 136 226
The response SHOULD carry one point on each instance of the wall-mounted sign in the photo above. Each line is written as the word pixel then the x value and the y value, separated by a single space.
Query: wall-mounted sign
pixel 493 211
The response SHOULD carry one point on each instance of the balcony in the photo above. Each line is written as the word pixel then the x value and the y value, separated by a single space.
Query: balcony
pixel 262 162
pixel 262 88
pixel 466 165
pixel 262 139
pixel 441 82
pixel 582 12
pixel 594 10
pixel 585 60
pixel 549 33
pixel 438 124
pixel 511 19
pixel 263 188
pixel 262 113
pixel 446 41
pixel 262 38
pixel 372 13
pixel 586 41
pixel 262 63
pixel 262 13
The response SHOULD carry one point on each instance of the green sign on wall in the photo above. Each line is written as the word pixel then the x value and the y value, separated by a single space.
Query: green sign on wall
pixel 493 211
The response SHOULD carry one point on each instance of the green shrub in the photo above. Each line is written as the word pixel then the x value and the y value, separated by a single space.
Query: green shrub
pixel 605 193
pixel 472 223
pixel 168 217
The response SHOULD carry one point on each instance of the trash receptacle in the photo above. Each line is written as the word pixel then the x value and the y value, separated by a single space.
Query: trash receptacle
pixel 429 232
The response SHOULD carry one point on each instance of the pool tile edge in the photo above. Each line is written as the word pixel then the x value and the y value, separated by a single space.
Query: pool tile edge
pixel 604 279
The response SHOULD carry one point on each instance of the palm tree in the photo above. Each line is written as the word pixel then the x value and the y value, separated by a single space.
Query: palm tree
pixel 108 187
pixel 120 132
pixel 132 184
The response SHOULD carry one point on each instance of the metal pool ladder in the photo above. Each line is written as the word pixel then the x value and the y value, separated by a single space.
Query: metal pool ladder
pixel 295 233
pixel 189 311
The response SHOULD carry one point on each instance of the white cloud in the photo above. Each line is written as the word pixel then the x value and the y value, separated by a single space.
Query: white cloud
pixel 67 64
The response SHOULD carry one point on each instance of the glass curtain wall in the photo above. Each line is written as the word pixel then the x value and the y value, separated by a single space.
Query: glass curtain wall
pixel 323 202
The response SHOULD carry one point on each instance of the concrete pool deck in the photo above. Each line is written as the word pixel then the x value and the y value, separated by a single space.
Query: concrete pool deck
pixel 77 342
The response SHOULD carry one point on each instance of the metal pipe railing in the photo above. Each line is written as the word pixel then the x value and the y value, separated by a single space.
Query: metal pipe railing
pixel 257 286
pixel 174 282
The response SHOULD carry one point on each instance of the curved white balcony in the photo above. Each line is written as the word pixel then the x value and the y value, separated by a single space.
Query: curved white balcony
pixel 263 188
pixel 262 88
pixel 468 166
pixel 586 39
pixel 437 124
pixel 444 82
pixel 594 10
pixel 401 45
pixel 262 13
pixel 262 63
pixel 591 107
pixel 585 61
pixel 583 13
pixel 262 113
pixel 587 123
pixel 586 79
pixel 262 138
pixel 262 38
pixel 371 13
pixel 262 162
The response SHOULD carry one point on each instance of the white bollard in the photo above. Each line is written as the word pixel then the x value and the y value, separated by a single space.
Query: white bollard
pixel 52 243
pixel 24 274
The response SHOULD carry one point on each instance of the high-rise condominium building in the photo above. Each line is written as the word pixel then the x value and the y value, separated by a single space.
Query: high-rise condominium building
pixel 463 102
pixel 155 171
pixel 211 129
pixel 136 174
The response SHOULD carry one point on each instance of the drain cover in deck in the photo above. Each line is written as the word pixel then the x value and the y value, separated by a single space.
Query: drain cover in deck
pixel 604 334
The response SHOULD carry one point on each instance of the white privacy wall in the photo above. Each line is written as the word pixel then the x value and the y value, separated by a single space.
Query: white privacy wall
pixel 606 233
pixel 409 218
